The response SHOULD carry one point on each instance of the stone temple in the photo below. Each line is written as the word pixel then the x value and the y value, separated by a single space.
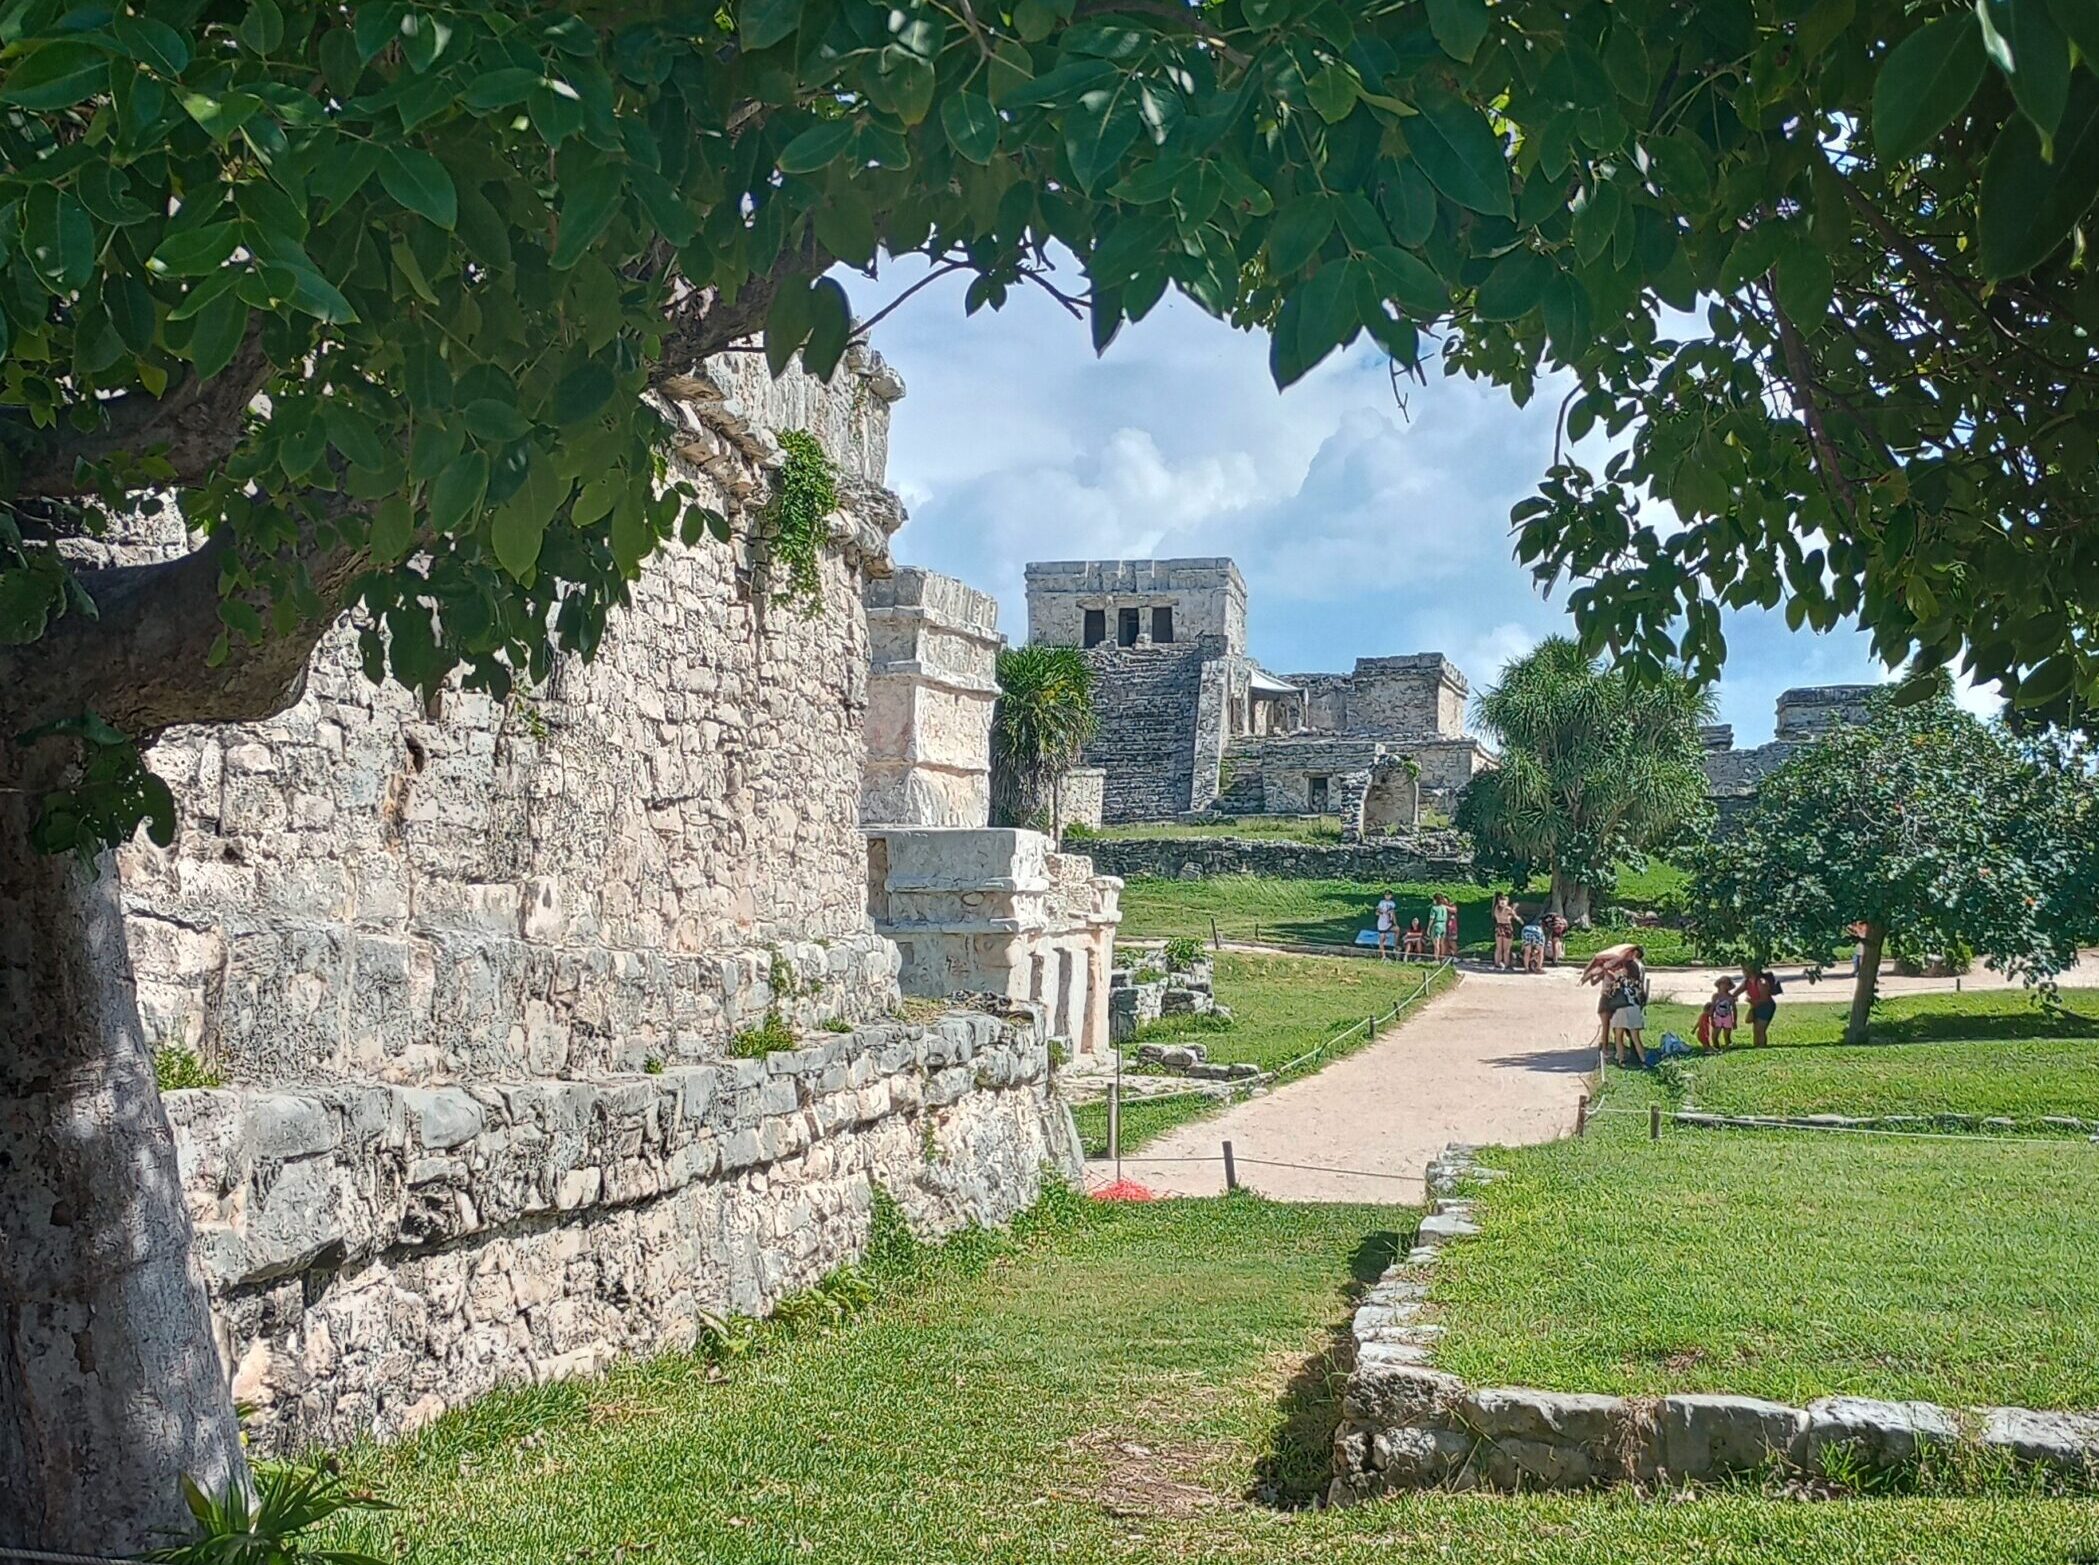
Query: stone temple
pixel 1804 715
pixel 497 990
pixel 1190 724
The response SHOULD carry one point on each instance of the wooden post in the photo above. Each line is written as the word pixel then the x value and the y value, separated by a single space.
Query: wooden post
pixel 1581 1117
pixel 1216 940
pixel 1231 1169
pixel 1115 1124
pixel 1654 1122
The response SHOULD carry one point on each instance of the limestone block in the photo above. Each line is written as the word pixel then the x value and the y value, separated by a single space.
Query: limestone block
pixel 1709 1436
pixel 1882 1434
pixel 1542 1417
pixel 443 1118
pixel 2068 1442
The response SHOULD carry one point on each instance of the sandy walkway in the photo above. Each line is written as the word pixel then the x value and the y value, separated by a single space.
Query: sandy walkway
pixel 1498 1059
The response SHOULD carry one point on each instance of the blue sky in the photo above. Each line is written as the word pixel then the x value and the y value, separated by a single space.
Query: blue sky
pixel 1363 528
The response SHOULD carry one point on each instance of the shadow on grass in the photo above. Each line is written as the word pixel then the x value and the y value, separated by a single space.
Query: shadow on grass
pixel 1294 1472
pixel 2019 1019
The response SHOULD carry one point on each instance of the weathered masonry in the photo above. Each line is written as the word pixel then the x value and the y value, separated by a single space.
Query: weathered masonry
pixel 1804 715
pixel 970 907
pixel 1189 723
pixel 482 979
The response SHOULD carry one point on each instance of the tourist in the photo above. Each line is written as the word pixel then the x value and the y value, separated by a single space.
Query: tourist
pixel 1450 928
pixel 1629 1015
pixel 1555 938
pixel 1438 925
pixel 1387 928
pixel 1533 946
pixel 1760 992
pixel 1716 1022
pixel 1505 922
pixel 1416 946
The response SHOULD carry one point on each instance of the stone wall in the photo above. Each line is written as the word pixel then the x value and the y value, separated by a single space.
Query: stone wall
pixel 1420 695
pixel 1198 858
pixel 377 1254
pixel 579 878
pixel 931 689
pixel 1803 715
pixel 1081 796
pixel 1207 597
pixel 1146 700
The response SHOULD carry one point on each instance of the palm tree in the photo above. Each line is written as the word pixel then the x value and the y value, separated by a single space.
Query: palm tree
pixel 1595 767
pixel 1041 725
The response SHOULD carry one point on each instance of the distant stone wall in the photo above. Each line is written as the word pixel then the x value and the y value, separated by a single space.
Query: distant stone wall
pixel 1146 701
pixel 1199 858
pixel 1080 795
pixel 931 688
pixel 1207 597
pixel 378 1254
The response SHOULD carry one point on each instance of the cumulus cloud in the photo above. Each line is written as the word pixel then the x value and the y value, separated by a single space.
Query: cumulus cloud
pixel 1365 523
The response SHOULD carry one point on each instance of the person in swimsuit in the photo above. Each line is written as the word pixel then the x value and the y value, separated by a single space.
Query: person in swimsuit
pixel 1387 928
pixel 1505 922
pixel 1760 990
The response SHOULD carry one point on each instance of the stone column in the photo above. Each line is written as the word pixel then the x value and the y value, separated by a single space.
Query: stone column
pixel 932 682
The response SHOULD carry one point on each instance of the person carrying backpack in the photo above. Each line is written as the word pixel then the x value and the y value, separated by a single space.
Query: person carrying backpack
pixel 1629 1018
pixel 1760 991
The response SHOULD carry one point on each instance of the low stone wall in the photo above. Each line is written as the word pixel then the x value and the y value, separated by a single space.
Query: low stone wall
pixel 376 1254
pixel 1405 1425
pixel 1199 858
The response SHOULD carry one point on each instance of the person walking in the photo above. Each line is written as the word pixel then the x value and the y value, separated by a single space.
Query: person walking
pixel 1505 924
pixel 1438 925
pixel 1450 928
pixel 1629 1018
pixel 1760 992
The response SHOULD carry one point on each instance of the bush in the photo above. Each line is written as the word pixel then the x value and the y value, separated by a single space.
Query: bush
pixel 1182 953
pixel 755 1043
pixel 268 1523
pixel 1080 831
pixel 176 1068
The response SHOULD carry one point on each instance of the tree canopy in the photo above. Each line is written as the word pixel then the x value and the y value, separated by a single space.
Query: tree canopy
pixel 1596 767
pixel 1935 832
pixel 375 293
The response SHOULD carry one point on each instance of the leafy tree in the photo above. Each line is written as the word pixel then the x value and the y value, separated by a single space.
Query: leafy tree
pixel 379 295
pixel 1040 727
pixel 1596 767
pixel 1935 831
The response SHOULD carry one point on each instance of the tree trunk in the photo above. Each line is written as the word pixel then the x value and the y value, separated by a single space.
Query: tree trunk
pixel 1570 898
pixel 1862 992
pixel 111 1387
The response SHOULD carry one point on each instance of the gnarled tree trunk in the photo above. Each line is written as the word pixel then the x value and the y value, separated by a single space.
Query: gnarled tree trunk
pixel 1570 898
pixel 1867 985
pixel 111 1386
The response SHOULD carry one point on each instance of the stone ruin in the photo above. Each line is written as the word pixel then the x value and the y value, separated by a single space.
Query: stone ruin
pixel 494 986
pixel 1804 715
pixel 970 907
pixel 1191 725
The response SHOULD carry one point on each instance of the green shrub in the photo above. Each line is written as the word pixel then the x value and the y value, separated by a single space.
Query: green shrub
pixel 1081 831
pixel 755 1043
pixel 838 1024
pixel 175 1068
pixel 268 1521
pixel 653 1065
pixel 1182 953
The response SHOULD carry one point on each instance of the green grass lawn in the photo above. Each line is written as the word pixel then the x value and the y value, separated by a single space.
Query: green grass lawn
pixel 1113 1389
pixel 1991 1054
pixel 1330 912
pixel 1790 1264
pixel 1282 1006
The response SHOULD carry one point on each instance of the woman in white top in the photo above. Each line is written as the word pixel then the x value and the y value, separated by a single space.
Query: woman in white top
pixel 1387 928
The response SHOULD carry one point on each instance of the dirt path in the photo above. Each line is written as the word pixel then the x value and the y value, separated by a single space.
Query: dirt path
pixel 1500 1058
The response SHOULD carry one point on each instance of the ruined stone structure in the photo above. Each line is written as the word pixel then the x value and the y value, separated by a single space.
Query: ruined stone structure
pixel 1189 723
pixel 970 907
pixel 1804 714
pixel 482 979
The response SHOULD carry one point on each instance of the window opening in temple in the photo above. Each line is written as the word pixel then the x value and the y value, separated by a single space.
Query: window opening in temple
pixel 1126 627
pixel 1162 626
pixel 1096 627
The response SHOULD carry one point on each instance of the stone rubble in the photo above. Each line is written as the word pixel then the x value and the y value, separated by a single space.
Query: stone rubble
pixel 1408 1425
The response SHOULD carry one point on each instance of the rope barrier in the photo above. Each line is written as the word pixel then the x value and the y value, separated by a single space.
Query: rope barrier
pixel 47 1557
pixel 1693 1119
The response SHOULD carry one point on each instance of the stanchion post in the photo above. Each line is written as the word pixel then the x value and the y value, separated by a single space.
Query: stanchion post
pixel 1231 1169
pixel 1115 1125
pixel 1216 940
pixel 1581 1117
pixel 1654 1122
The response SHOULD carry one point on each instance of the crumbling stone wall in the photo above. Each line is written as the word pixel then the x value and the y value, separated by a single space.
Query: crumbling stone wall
pixel 1145 700
pixel 1803 715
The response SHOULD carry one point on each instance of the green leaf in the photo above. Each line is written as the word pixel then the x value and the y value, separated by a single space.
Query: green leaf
pixel 1333 91
pixel 221 117
pixel 515 533
pixel 632 537
pixel 1298 232
pixel 262 29
pixel 56 75
pixel 489 418
pixel 819 145
pixel 393 529
pixel 377 26
pixel 763 23
pixel 1569 321
pixel 60 239
pixel 585 212
pixel 2029 206
pixel 1459 152
pixel 2079 20
pixel 971 125
pixel 1460 26
pixel 908 82
pixel 195 251
pixel 130 309
pixel 2022 40
pixel 1806 283
pixel 583 392
pixel 501 89
pixel 420 183
pixel 1926 80
pixel 215 335
pixel 787 323
pixel 456 493
pixel 1101 127
pixel 830 328
pixel 1408 281
pixel 151 42
pixel 1514 287
pixel 351 433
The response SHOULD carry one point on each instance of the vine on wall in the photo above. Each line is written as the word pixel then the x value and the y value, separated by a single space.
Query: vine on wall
pixel 805 493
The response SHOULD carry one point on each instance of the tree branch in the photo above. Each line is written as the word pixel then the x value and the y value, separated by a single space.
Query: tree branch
pixel 1800 375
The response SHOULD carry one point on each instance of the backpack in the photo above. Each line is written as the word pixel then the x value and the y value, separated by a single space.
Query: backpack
pixel 1772 986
